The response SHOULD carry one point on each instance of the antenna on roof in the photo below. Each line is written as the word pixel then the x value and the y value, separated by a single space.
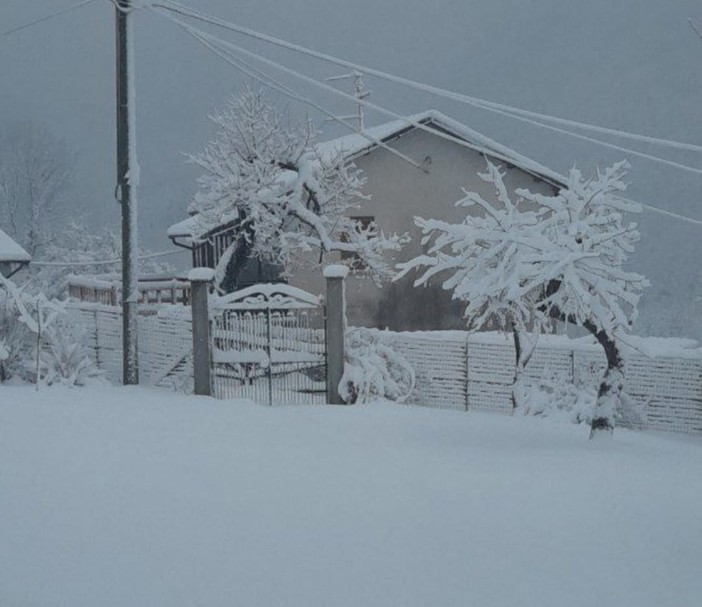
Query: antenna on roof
pixel 361 92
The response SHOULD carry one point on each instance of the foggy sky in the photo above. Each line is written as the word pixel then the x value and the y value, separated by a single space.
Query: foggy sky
pixel 628 64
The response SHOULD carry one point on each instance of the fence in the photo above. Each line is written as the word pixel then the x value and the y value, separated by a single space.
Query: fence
pixel 456 370
pixel 165 342
pixel 265 343
pixel 272 354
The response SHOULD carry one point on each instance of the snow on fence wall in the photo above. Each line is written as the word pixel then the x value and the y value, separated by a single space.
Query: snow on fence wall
pixel 165 342
pixel 456 370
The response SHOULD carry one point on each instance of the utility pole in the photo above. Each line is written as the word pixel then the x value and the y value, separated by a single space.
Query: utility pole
pixel 127 180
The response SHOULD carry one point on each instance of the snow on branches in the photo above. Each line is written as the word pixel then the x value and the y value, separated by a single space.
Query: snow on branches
pixel 374 370
pixel 529 259
pixel 282 198
pixel 38 341
pixel 521 264
pixel 35 173
pixel 589 242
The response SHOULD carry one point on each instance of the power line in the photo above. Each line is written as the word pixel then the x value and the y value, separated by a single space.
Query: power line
pixel 612 146
pixel 405 119
pixel 199 33
pixel 271 82
pixel 172 6
pixel 471 101
pixel 103 262
pixel 45 18
pixel 670 214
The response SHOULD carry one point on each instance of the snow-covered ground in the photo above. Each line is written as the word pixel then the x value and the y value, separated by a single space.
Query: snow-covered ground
pixel 128 497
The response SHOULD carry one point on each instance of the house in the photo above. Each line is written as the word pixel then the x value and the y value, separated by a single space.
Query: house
pixel 208 250
pixel 399 191
pixel 12 256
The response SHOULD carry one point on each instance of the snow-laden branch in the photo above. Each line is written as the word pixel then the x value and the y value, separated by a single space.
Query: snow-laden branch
pixel 266 181
pixel 528 259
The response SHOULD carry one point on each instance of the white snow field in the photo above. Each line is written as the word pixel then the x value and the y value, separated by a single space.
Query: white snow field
pixel 133 497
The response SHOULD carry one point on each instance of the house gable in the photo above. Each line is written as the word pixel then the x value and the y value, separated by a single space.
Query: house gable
pixel 399 191
pixel 355 145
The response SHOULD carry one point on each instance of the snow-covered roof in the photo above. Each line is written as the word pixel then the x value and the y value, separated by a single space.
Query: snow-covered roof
pixel 187 227
pixel 182 229
pixel 10 251
pixel 355 144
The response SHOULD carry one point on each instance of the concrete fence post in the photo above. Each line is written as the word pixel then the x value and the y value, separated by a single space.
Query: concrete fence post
pixel 200 279
pixel 336 329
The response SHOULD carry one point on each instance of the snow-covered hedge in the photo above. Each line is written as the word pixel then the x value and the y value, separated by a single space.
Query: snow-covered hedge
pixel 374 370
pixel 555 395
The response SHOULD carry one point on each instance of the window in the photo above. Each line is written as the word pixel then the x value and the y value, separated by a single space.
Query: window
pixel 352 259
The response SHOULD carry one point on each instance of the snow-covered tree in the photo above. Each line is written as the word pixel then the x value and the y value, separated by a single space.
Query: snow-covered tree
pixel 520 264
pixel 75 248
pixel 34 179
pixel 283 198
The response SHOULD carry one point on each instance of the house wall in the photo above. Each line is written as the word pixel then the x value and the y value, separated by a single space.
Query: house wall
pixel 399 192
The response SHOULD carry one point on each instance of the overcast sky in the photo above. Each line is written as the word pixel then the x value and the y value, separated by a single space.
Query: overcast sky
pixel 628 64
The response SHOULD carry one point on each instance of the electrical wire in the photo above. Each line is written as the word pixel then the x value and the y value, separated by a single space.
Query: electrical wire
pixel 103 262
pixel 176 7
pixel 199 33
pixel 625 150
pixel 271 82
pixel 46 18
pixel 326 87
pixel 669 213
pixel 611 146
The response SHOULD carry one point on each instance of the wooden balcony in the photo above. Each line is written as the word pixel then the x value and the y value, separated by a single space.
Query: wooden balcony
pixel 106 289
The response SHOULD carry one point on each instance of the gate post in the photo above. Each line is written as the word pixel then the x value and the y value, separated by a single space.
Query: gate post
pixel 200 279
pixel 335 329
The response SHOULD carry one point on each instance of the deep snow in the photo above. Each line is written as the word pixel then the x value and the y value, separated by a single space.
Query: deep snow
pixel 129 496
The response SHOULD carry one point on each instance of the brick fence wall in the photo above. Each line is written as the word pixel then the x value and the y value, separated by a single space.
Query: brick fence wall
pixel 456 370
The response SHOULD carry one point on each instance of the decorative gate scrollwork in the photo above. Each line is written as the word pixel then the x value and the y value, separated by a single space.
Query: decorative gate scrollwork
pixel 268 345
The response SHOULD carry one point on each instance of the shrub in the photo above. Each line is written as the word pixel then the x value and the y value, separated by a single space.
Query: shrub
pixel 374 370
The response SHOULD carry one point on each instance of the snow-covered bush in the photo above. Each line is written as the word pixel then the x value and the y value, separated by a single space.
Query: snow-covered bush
pixel 38 341
pixel 64 356
pixel 283 199
pixel 528 259
pixel 374 370
pixel 555 396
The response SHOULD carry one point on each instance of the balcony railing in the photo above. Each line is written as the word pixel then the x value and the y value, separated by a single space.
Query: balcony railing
pixel 107 289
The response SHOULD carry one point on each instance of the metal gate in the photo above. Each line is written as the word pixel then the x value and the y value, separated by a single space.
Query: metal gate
pixel 268 345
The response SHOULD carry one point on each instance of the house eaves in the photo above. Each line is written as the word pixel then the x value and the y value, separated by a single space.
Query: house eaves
pixel 355 145
pixel 11 252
